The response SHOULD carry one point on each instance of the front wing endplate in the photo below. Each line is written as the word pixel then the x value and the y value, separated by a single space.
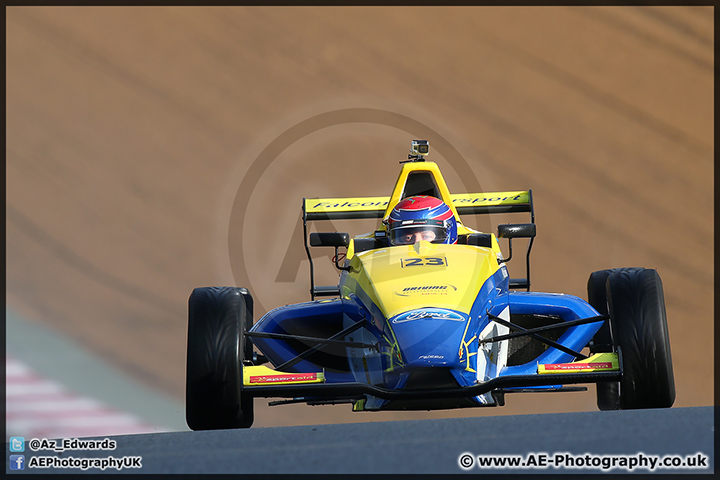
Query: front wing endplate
pixel 262 375
pixel 600 362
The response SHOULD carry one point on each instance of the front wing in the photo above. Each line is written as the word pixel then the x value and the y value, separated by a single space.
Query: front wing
pixel 604 367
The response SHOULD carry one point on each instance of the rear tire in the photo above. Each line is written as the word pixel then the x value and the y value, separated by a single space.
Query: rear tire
pixel 607 392
pixel 638 322
pixel 597 298
pixel 217 321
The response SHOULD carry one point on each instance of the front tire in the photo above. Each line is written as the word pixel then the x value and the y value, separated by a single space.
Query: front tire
pixel 217 321
pixel 638 323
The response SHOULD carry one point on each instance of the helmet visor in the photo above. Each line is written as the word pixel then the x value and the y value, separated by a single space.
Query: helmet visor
pixel 411 234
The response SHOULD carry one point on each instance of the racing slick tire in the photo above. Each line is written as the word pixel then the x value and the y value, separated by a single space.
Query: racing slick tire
pixel 607 392
pixel 597 298
pixel 218 318
pixel 638 323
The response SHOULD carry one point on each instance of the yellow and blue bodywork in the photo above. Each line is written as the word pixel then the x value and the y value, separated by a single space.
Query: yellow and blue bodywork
pixel 426 318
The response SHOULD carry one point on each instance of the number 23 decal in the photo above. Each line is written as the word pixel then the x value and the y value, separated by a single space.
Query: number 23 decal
pixel 424 262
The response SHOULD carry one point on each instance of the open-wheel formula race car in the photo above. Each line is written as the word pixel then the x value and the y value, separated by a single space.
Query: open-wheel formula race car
pixel 425 316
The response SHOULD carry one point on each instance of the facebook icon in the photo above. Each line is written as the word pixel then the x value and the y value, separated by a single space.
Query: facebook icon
pixel 17 462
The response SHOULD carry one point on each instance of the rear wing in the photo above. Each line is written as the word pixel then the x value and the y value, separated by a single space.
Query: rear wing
pixel 350 208
pixel 344 208
pixel 376 207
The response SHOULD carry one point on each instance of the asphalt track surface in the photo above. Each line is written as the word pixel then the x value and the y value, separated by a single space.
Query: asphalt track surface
pixel 569 440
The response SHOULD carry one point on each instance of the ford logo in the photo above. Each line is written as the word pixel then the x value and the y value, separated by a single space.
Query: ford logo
pixel 429 314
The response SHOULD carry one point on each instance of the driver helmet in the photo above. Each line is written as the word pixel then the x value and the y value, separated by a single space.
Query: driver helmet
pixel 421 218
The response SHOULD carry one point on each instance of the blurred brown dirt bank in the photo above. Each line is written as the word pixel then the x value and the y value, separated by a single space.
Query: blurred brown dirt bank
pixel 131 129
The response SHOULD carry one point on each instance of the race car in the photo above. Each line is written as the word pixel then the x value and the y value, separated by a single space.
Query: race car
pixel 425 316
